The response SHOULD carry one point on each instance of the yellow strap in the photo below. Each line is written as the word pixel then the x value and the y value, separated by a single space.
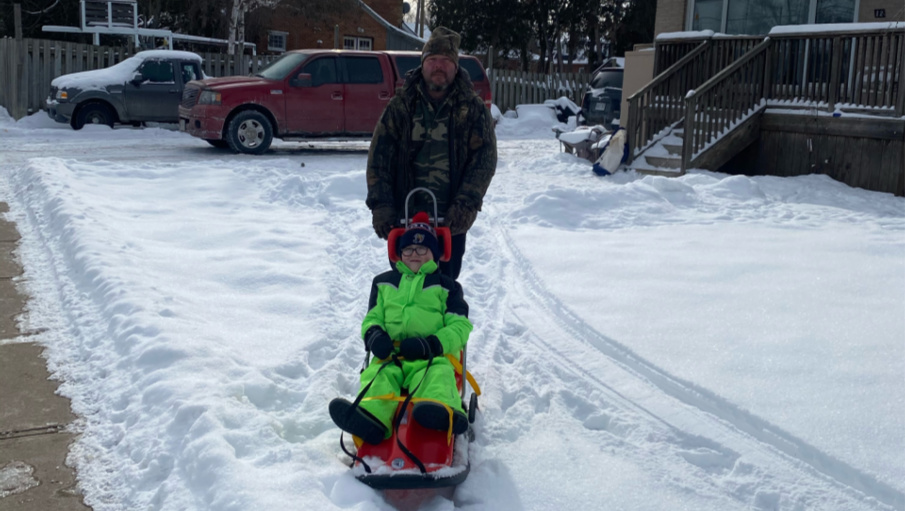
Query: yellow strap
pixel 394 397
pixel 458 367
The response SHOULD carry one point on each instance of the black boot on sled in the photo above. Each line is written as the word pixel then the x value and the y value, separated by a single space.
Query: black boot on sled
pixel 357 421
pixel 436 416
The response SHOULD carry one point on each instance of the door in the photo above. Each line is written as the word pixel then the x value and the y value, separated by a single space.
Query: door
pixel 315 105
pixel 156 96
pixel 367 92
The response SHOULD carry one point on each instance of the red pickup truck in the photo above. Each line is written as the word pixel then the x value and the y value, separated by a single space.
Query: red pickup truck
pixel 305 94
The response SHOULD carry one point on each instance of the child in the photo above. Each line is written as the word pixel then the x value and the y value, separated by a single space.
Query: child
pixel 426 312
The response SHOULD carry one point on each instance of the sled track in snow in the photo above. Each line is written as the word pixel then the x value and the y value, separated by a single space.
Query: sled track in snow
pixel 754 439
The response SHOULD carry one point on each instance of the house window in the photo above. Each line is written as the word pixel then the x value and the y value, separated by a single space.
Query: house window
pixel 358 43
pixel 276 41
pixel 757 17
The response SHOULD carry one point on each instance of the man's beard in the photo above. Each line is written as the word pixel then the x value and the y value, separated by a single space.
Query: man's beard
pixel 439 87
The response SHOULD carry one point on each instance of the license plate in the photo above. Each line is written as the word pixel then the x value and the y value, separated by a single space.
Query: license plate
pixel 600 106
pixel 181 124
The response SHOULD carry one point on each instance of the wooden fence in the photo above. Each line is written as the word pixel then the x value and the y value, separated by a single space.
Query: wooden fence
pixel 511 88
pixel 27 67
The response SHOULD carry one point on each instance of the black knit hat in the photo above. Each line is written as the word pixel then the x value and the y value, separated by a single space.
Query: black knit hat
pixel 443 41
pixel 420 232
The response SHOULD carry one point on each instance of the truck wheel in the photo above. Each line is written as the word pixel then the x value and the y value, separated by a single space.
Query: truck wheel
pixel 249 132
pixel 219 144
pixel 93 113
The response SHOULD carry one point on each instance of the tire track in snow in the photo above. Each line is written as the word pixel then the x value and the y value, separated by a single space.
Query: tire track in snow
pixel 687 410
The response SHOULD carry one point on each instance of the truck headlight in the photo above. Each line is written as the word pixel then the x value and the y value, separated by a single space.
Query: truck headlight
pixel 61 94
pixel 209 97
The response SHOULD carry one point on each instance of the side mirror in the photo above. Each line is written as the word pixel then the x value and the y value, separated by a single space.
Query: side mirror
pixel 302 80
pixel 137 79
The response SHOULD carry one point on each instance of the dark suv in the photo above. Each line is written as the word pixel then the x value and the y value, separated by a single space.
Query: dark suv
pixel 145 87
pixel 602 102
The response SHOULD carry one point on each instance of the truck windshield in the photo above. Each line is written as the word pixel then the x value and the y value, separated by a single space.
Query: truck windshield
pixel 279 69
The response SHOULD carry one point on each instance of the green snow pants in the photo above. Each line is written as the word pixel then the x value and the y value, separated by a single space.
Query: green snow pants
pixel 439 384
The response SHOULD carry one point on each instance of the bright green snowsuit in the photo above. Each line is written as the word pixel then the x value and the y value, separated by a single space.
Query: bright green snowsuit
pixel 408 304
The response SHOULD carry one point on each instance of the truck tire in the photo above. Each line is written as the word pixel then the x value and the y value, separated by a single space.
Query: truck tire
pixel 249 132
pixel 93 113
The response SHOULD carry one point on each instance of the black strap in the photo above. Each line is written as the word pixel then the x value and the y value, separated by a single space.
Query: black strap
pixel 352 408
pixel 398 421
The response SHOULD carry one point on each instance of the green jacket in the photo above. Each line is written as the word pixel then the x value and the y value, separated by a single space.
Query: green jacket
pixel 407 304
pixel 472 151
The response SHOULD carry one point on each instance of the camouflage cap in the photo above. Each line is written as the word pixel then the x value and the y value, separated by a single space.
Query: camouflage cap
pixel 443 41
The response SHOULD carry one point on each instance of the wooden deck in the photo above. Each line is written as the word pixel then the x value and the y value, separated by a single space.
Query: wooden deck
pixel 859 151
pixel 774 101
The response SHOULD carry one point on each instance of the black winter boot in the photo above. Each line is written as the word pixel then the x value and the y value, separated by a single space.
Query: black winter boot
pixel 435 416
pixel 357 421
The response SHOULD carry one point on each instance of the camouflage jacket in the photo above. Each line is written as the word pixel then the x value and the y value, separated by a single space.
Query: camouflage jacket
pixel 472 151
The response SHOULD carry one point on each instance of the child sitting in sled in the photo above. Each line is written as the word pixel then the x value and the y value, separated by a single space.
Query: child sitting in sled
pixel 424 311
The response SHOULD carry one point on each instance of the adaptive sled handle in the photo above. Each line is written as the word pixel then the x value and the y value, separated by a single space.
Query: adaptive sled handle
pixel 444 236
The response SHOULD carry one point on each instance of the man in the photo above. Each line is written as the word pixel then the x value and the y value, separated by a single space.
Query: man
pixel 435 133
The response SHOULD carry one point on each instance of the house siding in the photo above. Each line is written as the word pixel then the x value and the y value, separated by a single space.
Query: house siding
pixel 895 10
pixel 670 16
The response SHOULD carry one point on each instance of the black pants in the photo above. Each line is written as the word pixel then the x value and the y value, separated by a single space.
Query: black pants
pixel 454 266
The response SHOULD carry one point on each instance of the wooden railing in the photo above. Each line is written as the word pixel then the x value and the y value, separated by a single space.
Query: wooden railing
pixel 851 70
pixel 660 104
pixel 725 100
pixel 725 50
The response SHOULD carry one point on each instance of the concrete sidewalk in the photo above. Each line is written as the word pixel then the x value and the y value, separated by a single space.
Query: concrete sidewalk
pixel 33 440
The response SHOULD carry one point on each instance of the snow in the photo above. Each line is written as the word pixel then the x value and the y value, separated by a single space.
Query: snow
pixel 706 342
pixel 688 34
pixel 118 73
pixel 824 28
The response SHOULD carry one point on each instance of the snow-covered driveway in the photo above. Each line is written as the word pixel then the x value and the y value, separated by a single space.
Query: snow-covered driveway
pixel 708 342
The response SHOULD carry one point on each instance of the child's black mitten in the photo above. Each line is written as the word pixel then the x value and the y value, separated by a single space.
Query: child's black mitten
pixel 420 348
pixel 378 342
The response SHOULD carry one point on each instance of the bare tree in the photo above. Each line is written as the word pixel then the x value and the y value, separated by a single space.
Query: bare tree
pixel 237 21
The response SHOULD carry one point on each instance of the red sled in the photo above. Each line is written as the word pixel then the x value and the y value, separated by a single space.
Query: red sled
pixel 415 457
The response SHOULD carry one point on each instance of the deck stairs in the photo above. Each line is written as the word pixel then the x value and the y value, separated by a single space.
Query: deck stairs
pixel 663 157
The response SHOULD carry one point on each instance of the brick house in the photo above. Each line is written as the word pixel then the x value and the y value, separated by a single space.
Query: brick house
pixel 370 25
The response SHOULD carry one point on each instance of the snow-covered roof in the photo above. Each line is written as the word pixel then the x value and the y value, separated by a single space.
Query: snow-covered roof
pixel 118 73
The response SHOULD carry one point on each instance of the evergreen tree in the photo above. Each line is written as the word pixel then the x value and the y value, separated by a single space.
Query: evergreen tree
pixel 500 24
pixel 36 14
pixel 636 26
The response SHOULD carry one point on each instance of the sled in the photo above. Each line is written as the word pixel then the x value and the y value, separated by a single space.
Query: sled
pixel 414 457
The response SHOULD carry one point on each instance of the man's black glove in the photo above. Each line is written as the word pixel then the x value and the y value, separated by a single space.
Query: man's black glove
pixel 420 348
pixel 378 342
pixel 460 217
pixel 384 219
